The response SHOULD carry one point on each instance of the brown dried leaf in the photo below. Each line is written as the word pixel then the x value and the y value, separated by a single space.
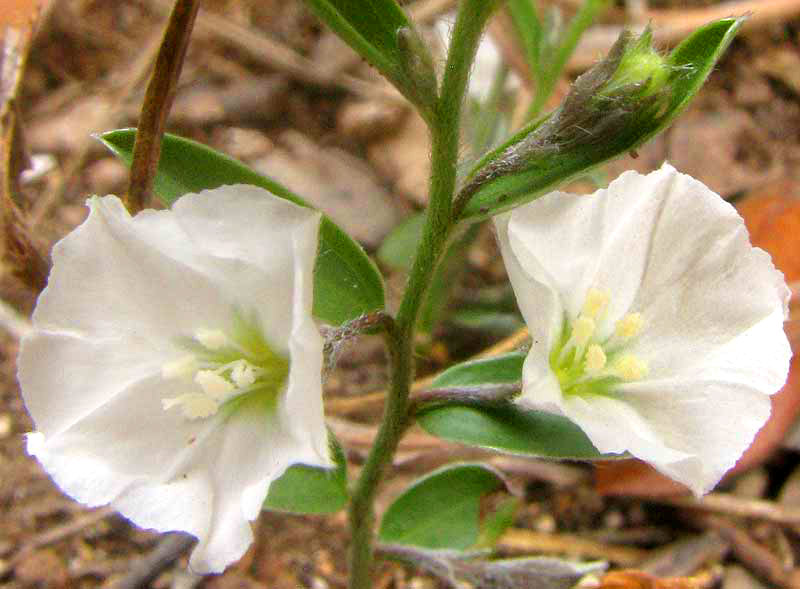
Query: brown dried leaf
pixel 18 13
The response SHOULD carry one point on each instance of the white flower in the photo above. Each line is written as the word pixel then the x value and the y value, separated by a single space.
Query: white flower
pixel 656 326
pixel 174 369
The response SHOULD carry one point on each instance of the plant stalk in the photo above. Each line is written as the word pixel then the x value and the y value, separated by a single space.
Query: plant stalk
pixel 444 128
pixel 157 103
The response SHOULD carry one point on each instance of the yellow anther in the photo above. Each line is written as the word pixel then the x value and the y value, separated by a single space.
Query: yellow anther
pixel 181 368
pixel 215 386
pixel 211 339
pixel 596 303
pixel 629 326
pixel 630 368
pixel 595 359
pixel 192 405
pixel 582 330
pixel 243 374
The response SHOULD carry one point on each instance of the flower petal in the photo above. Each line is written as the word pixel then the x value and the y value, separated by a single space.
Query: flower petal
pixel 243 237
pixel 302 408
pixel 720 405
pixel 228 477
pixel 639 239
pixel 125 441
pixel 208 478
pixel 85 372
pixel 112 277
pixel 535 288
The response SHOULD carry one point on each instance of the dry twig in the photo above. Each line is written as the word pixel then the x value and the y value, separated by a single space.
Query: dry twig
pixel 737 506
pixel 146 569
pixel 750 553
pixel 59 533
pixel 530 542
pixel 20 254
pixel 158 101
pixel 686 556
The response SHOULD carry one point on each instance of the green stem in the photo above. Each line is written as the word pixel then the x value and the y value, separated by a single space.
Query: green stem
pixel 551 72
pixel 444 128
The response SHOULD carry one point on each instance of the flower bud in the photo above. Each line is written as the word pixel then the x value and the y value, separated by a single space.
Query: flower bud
pixel 641 69
pixel 612 108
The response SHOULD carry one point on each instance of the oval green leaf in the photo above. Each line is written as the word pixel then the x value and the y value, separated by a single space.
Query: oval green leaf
pixel 506 428
pixel 441 510
pixel 346 282
pixel 380 31
pixel 311 490
pixel 690 63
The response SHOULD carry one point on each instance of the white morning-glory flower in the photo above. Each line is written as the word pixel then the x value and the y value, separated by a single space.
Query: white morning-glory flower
pixel 656 326
pixel 174 369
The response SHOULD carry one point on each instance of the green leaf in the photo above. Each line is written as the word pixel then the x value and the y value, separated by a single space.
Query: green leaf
pixel 441 510
pixel 399 247
pixel 398 250
pixel 446 275
pixel 486 320
pixel 380 31
pixel 583 134
pixel 309 489
pixel 346 282
pixel 497 370
pixel 529 29
pixel 506 428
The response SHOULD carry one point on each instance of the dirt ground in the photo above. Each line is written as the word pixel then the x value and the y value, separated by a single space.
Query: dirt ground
pixel 265 84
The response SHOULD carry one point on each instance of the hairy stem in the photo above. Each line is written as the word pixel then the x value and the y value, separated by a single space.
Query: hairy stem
pixel 444 129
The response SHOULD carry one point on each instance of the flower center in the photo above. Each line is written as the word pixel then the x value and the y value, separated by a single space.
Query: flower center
pixel 226 369
pixel 587 365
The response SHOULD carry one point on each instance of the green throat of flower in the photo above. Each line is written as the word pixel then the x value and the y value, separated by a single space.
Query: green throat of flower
pixel 226 371
pixel 587 365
